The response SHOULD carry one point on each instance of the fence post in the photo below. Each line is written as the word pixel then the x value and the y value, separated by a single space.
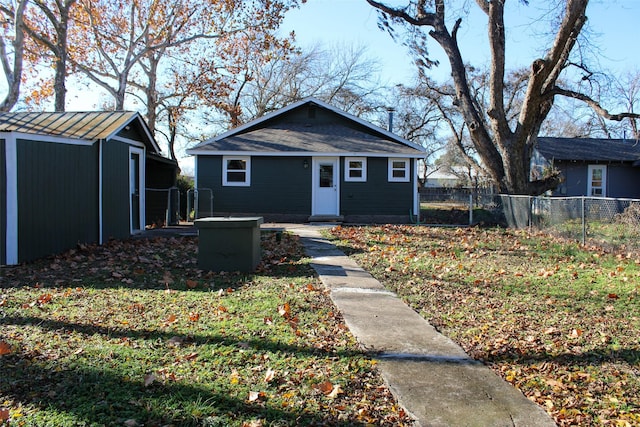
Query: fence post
pixel 470 210
pixel 584 222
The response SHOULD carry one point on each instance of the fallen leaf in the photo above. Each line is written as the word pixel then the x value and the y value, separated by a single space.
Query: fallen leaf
pixel 284 310
pixel 335 392
pixel 5 348
pixel 149 379
pixel 613 296
pixel 192 284
pixel 194 317
pixel 325 387
pixel 4 414
pixel 268 377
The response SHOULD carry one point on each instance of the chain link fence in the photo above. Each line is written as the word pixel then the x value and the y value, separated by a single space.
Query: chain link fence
pixel 607 222
pixel 162 206
pixel 458 206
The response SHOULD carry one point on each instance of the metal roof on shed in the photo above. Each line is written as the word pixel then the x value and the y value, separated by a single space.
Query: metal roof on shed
pixel 77 125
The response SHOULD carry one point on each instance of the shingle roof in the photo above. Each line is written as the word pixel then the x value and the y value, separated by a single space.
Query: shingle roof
pixel 308 139
pixel 589 149
pixel 274 134
pixel 89 126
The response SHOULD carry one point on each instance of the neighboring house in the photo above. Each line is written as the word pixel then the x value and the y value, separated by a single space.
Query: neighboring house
pixel 70 178
pixel 456 176
pixel 591 167
pixel 310 162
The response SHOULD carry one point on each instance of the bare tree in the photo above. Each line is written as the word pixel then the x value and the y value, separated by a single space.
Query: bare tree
pixel 505 148
pixel 342 75
pixel 12 16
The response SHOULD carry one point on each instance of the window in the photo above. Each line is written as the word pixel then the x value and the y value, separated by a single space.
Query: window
pixel 355 169
pixel 236 171
pixel 399 170
pixel 597 182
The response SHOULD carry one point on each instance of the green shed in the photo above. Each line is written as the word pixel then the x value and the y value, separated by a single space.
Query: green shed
pixel 73 177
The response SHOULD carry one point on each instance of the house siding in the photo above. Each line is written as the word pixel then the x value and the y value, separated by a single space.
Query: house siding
pixel 57 197
pixel 3 203
pixel 115 190
pixel 622 180
pixel 278 185
pixel 365 198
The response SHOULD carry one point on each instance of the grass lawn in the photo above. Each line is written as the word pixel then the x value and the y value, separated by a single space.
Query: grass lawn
pixel 559 321
pixel 132 333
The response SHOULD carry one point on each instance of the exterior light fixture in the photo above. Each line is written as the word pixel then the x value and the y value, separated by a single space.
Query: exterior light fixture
pixel 305 164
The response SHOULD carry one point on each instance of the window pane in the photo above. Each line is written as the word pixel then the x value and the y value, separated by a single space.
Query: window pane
pixel 236 164
pixel 398 165
pixel 236 176
pixel 398 173
pixel 355 165
pixel 326 176
pixel 355 173
pixel 596 174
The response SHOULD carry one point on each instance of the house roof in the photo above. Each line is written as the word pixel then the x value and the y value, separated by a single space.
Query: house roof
pixel 589 149
pixel 275 134
pixel 88 126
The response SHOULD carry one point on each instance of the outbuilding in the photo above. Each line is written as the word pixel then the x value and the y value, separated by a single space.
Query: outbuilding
pixel 310 161
pixel 70 178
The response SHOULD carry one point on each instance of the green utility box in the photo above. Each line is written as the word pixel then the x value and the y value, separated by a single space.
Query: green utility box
pixel 229 243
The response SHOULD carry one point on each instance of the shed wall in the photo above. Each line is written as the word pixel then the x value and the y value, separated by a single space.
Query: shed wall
pixel 622 181
pixel 57 197
pixel 3 203
pixel 115 191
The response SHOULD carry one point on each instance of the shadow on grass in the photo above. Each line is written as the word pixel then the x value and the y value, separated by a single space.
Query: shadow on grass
pixel 258 344
pixel 84 395
pixel 591 357
pixel 153 263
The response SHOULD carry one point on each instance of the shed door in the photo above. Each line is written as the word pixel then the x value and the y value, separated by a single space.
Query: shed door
pixel 136 187
pixel 326 190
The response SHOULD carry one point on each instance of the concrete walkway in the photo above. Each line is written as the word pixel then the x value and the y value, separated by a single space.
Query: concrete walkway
pixel 430 375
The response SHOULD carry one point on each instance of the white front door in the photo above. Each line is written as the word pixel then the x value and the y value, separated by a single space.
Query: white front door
pixel 597 181
pixel 326 188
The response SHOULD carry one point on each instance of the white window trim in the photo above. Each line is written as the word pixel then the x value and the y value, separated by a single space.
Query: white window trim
pixel 347 169
pixel 590 170
pixel 246 182
pixel 407 169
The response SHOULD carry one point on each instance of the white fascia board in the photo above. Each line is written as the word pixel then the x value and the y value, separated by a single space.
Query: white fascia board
pixel 129 141
pixel 11 232
pixel 145 127
pixel 195 152
pixel 46 138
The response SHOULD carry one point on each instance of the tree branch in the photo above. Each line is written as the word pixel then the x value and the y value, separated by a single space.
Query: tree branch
pixel 601 111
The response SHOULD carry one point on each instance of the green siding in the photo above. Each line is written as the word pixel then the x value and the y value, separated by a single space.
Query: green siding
pixel 278 185
pixel 3 201
pixel 376 196
pixel 282 185
pixel 115 191
pixel 57 197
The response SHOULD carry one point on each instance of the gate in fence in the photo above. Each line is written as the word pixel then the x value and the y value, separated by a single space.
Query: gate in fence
pixel 199 203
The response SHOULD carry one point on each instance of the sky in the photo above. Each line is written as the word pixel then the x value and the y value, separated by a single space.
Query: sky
pixel 614 24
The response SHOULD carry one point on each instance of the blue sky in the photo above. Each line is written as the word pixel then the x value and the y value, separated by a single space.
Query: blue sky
pixel 614 24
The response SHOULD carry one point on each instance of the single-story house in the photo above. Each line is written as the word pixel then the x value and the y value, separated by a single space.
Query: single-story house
pixel 70 178
pixel 310 161
pixel 591 167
